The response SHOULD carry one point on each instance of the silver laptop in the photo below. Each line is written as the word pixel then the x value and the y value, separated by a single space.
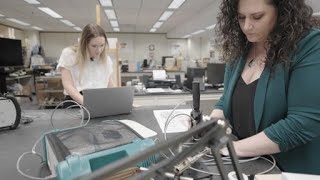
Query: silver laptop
pixel 108 101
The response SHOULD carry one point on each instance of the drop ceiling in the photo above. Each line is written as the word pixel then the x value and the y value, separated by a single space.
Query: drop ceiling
pixel 134 16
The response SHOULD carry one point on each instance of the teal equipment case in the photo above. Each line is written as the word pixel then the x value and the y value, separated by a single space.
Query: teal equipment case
pixel 76 152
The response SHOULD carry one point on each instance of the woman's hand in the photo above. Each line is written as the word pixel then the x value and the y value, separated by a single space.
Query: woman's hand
pixel 217 114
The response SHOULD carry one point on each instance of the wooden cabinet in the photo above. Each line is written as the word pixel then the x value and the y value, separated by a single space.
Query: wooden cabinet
pixel 25 83
pixel 49 91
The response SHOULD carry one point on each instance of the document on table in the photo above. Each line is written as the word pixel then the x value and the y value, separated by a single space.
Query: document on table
pixel 155 90
pixel 139 128
pixel 180 123
pixel 297 176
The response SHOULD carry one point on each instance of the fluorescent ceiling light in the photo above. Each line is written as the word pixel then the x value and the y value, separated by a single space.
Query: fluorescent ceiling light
pixel 157 24
pixel 106 3
pixel 116 29
pixel 110 13
pixel 114 23
pixel 67 22
pixel 1 15
pixel 32 1
pixel 211 27
pixel 153 30
pixel 165 15
pixel 50 12
pixel 186 36
pixel 77 28
pixel 198 32
pixel 37 28
pixel 316 14
pixel 18 21
pixel 175 4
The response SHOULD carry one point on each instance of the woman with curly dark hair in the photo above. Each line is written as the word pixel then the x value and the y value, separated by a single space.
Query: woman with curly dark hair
pixel 271 92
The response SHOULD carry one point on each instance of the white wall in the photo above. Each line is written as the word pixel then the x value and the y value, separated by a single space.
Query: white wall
pixel 198 48
pixel 12 33
pixel 54 43
pixel 137 45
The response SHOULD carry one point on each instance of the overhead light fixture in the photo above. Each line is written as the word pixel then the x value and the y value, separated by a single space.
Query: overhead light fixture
pixel 175 4
pixel 114 23
pixel 153 30
pixel 157 24
pixel 110 13
pixel 50 12
pixel 116 29
pixel 1 15
pixel 198 32
pixel 316 14
pixel 186 36
pixel 77 28
pixel 67 22
pixel 106 3
pixel 18 21
pixel 165 15
pixel 211 27
pixel 37 28
pixel 32 1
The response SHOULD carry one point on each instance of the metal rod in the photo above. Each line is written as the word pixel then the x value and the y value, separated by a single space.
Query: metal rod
pixel 222 170
pixel 235 160
pixel 113 168
pixel 169 163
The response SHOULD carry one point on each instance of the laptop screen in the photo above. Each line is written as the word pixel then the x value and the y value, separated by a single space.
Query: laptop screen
pixel 108 101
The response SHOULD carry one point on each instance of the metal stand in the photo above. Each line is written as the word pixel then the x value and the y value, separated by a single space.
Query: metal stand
pixel 215 136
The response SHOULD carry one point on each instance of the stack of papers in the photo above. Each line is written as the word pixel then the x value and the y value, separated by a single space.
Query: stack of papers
pixel 180 123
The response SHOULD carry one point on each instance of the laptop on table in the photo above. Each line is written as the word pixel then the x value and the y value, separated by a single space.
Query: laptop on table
pixel 108 101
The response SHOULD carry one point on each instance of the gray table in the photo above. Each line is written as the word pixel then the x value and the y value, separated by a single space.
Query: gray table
pixel 14 143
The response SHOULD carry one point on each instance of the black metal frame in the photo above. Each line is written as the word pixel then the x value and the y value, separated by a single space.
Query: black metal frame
pixel 215 135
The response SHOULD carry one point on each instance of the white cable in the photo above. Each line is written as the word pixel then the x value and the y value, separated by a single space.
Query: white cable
pixel 273 162
pixel 26 175
pixel 168 121
pixel 71 114
pixel 82 114
pixel 167 124
pixel 165 136
pixel 33 151
pixel 205 172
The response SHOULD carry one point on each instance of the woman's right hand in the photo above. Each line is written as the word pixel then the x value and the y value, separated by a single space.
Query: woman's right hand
pixel 217 114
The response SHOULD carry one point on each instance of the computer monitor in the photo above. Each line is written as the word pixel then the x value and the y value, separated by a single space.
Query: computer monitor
pixel 215 73
pixel 192 73
pixel 11 52
pixel 10 56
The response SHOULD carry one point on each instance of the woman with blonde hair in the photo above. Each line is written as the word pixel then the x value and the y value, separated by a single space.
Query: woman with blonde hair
pixel 86 65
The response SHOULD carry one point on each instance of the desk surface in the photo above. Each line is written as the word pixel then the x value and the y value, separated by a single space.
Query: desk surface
pixel 14 143
pixel 172 92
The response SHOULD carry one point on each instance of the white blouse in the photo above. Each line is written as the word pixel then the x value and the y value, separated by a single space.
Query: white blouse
pixel 95 74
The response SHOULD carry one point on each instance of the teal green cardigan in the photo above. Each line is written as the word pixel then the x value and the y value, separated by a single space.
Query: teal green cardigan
pixel 287 106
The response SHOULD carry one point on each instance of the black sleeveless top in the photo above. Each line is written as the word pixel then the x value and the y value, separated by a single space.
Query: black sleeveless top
pixel 243 108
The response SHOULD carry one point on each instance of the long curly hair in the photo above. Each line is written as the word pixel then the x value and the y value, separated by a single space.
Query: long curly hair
pixel 294 20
